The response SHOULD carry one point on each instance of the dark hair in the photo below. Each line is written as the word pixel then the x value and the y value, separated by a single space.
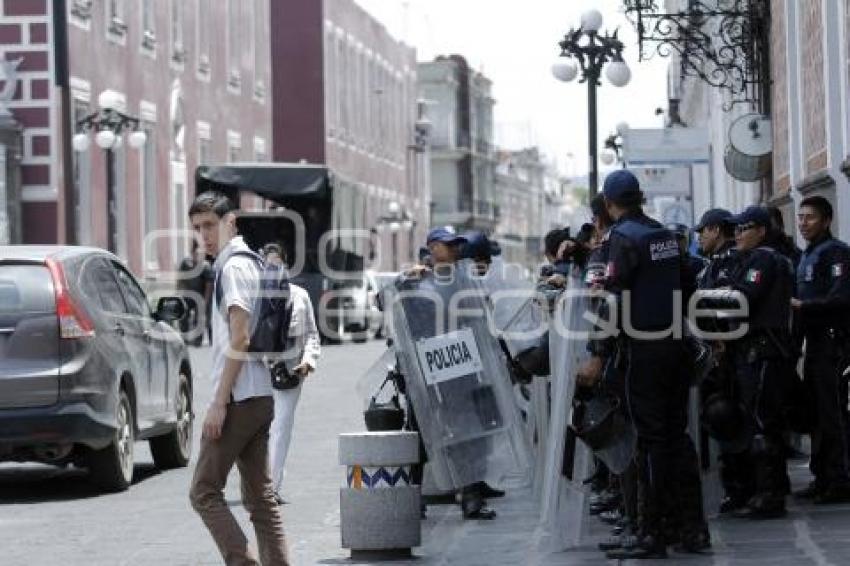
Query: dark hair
pixel 820 204
pixel 553 240
pixel 776 219
pixel 273 248
pixel 212 201
pixel 631 202
pixel 599 210
pixel 728 230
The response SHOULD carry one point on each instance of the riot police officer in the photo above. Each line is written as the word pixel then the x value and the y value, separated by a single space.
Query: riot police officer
pixel 717 242
pixel 823 305
pixel 644 275
pixel 765 278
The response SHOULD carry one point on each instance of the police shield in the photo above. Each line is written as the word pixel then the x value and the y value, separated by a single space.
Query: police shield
pixel 456 380
pixel 567 462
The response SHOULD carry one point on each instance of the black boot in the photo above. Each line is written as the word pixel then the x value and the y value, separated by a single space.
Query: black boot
pixel 474 506
pixel 489 492
pixel 646 547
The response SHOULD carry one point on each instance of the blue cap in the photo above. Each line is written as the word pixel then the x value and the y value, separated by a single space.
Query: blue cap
pixel 752 214
pixel 477 245
pixel 713 217
pixel 444 236
pixel 619 184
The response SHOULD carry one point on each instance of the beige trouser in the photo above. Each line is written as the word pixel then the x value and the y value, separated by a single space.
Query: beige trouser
pixel 244 441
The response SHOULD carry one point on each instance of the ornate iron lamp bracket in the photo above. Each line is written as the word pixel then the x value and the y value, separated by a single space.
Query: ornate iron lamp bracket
pixel 723 42
pixel 593 53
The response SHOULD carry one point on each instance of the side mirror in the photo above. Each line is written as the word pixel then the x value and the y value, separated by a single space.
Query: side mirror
pixel 170 309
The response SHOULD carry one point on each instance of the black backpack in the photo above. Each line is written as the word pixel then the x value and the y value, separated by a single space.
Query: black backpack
pixel 273 309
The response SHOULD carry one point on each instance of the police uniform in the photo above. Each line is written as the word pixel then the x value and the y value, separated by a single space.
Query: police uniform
pixel 761 358
pixel 823 287
pixel 735 467
pixel 644 272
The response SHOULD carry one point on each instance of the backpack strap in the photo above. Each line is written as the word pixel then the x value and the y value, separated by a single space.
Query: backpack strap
pixel 217 284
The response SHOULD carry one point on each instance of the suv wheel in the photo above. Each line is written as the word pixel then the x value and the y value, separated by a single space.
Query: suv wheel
pixel 111 468
pixel 173 450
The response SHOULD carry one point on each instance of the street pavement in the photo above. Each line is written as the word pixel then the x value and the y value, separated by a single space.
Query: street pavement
pixel 54 517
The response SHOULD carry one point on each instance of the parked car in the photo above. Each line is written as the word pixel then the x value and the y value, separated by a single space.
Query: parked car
pixel 86 368
pixel 351 307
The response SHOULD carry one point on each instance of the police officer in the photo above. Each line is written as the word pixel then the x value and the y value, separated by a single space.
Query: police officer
pixel 717 242
pixel 765 278
pixel 644 274
pixel 823 305
pixel 445 249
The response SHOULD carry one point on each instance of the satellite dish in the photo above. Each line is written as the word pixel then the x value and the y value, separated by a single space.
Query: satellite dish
pixel 749 154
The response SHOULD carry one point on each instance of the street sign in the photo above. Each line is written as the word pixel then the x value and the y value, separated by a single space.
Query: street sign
pixel 664 181
pixel 676 213
pixel 670 146
pixel 448 356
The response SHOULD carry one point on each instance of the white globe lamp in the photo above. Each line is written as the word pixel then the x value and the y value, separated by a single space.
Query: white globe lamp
pixel 105 139
pixel 565 70
pixel 108 99
pixel 393 208
pixel 591 21
pixel 618 73
pixel 622 129
pixel 137 139
pixel 607 157
pixel 81 142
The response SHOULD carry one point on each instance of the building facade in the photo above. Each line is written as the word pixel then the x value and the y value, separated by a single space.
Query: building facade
pixel 196 74
pixel 531 200
pixel 345 96
pixel 807 100
pixel 462 159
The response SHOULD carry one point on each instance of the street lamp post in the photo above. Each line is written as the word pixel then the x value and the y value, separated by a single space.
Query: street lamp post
pixel 108 124
pixel 614 146
pixel 586 49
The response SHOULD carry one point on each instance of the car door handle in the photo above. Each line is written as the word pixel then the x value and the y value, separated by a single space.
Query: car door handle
pixel 119 329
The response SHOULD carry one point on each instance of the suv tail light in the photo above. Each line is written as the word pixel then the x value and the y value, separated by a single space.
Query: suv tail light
pixel 73 323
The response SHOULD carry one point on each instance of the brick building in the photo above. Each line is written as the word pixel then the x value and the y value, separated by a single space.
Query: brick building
pixel 808 103
pixel 195 73
pixel 345 96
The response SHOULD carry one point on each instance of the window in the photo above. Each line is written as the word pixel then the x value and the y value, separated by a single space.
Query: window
pixel 80 12
pixel 100 285
pixel 137 304
pixel 258 47
pixel 178 46
pixel 82 180
pixel 234 147
pixel 149 186
pixel 330 80
pixel 116 25
pixel 234 78
pixel 260 155
pixel 202 35
pixel 148 25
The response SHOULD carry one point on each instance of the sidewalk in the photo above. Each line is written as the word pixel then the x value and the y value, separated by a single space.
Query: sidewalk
pixel 817 535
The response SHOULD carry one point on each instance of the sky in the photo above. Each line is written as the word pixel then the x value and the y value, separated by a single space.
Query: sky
pixel 514 43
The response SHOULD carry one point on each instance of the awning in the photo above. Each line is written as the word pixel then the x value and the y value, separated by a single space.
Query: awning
pixel 275 182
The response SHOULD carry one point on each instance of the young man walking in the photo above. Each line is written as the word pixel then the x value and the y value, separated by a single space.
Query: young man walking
pixel 236 427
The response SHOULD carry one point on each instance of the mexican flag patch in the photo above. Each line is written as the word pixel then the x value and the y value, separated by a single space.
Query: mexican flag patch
pixel 754 276
pixel 837 269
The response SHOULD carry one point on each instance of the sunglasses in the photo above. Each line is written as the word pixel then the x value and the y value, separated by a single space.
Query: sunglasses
pixel 741 228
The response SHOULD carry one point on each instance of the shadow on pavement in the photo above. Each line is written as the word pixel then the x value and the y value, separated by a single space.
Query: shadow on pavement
pixel 35 483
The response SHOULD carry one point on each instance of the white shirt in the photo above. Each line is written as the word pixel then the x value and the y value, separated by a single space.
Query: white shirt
pixel 240 283
pixel 303 330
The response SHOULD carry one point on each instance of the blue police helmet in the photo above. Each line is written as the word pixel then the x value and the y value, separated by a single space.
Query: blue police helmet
pixel 477 246
pixel 444 236
pixel 621 185
pixel 754 214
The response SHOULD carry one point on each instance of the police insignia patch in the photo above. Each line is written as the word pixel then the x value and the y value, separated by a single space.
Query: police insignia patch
pixel 754 276
pixel 837 269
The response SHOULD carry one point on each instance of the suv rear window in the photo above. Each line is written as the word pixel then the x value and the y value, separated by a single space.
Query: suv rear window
pixel 26 288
